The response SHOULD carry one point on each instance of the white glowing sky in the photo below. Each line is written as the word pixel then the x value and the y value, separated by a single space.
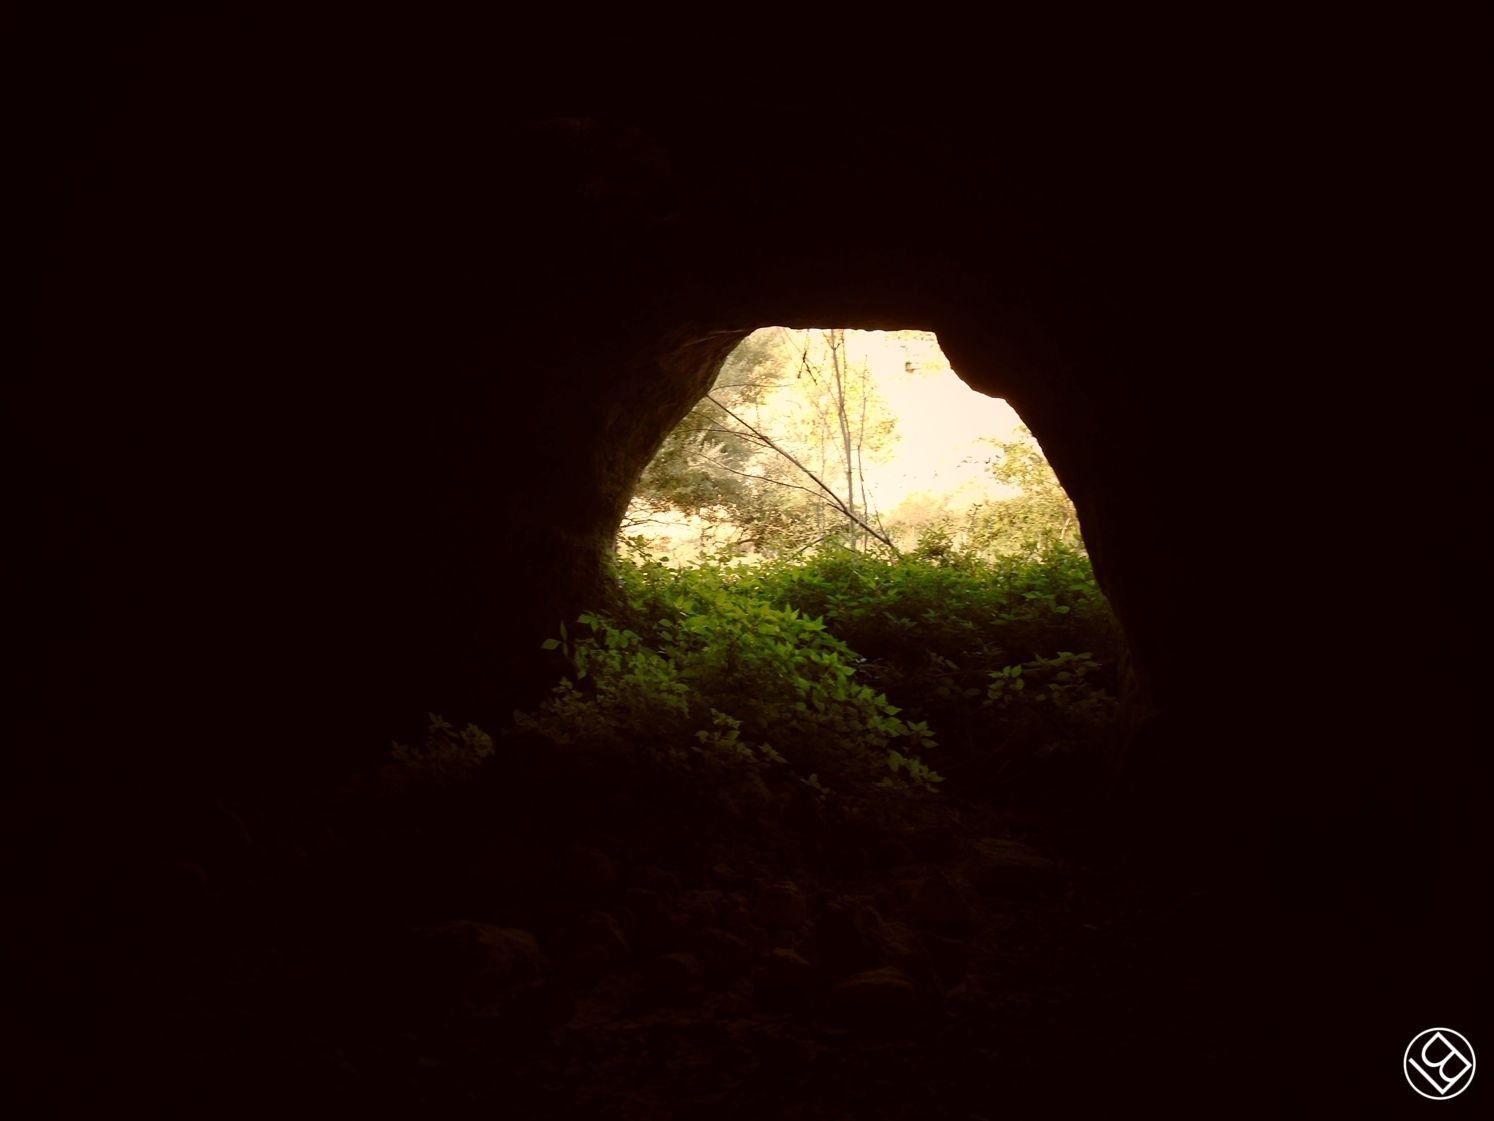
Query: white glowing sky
pixel 939 421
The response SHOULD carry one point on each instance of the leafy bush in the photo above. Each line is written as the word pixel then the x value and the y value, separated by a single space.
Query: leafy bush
pixel 447 755
pixel 695 673
pixel 726 675
pixel 1049 706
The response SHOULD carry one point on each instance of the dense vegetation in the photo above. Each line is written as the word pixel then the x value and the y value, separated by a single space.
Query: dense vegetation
pixel 860 675
pixel 773 460
pixel 815 651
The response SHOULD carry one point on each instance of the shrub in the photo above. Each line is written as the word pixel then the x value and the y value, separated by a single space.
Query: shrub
pixel 695 673
pixel 1050 706
pixel 447 755
pixel 726 674
pixel 933 627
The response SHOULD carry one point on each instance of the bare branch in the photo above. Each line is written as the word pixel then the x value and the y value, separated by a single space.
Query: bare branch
pixel 834 498
pixel 804 364
pixel 816 541
pixel 749 437
pixel 760 478
pixel 768 441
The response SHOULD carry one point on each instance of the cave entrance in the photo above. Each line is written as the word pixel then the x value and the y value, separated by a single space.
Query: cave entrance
pixel 894 527
pixel 865 439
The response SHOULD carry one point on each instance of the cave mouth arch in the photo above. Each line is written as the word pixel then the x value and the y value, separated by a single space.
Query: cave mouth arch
pixel 843 435
pixel 609 399
pixel 403 499
pixel 789 456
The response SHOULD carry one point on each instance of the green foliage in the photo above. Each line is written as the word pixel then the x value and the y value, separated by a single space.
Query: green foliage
pixel 934 624
pixel 1051 706
pixel 1034 521
pixel 771 459
pixel 447 755
pixel 834 668
pixel 696 673
pixel 1039 519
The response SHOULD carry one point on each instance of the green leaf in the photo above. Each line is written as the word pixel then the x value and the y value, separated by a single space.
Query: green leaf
pixel 550 644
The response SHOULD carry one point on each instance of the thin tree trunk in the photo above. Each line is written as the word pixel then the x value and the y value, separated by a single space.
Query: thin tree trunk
pixel 829 493
pixel 837 364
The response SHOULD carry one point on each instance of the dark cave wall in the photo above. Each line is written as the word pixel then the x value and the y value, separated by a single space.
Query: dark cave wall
pixel 340 398
pixel 338 363
pixel 520 528
pixel 383 397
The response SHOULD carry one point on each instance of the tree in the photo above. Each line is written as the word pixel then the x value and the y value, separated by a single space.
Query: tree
pixel 772 459
pixel 1037 518
pixel 698 471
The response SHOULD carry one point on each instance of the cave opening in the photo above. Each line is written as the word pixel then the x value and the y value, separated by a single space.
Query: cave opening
pixel 444 388
pixel 855 437
pixel 854 478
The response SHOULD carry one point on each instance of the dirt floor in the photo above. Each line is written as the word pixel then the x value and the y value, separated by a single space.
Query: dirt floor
pixel 359 957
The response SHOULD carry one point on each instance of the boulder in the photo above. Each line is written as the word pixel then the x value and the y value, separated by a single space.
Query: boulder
pixel 673 974
pixel 937 905
pixel 903 949
pixel 781 907
pixel 937 842
pixel 718 951
pixel 948 956
pixel 673 932
pixel 588 872
pixel 733 914
pixel 645 905
pixel 654 928
pixel 783 976
pixel 805 814
pixel 895 853
pixel 664 884
pixel 601 931
pixel 727 876
pixel 542 1007
pixel 702 905
pixel 845 939
pixel 1011 868
pixel 596 943
pixel 885 991
pixel 474 961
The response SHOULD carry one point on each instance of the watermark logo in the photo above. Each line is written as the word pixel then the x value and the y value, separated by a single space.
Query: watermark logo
pixel 1439 1064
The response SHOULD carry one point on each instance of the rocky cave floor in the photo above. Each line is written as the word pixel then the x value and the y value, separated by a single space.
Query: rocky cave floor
pixel 479 949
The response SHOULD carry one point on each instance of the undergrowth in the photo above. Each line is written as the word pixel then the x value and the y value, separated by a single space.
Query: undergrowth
pixel 851 674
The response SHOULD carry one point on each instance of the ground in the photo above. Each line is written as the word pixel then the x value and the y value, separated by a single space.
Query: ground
pixel 1004 962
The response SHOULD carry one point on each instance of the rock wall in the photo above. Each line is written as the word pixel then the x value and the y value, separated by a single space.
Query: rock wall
pixel 340 395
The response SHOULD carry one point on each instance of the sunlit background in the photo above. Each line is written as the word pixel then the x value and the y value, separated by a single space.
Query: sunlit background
pixel 934 465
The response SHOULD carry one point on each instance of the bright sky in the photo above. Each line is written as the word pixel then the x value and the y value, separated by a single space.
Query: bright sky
pixel 939 421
